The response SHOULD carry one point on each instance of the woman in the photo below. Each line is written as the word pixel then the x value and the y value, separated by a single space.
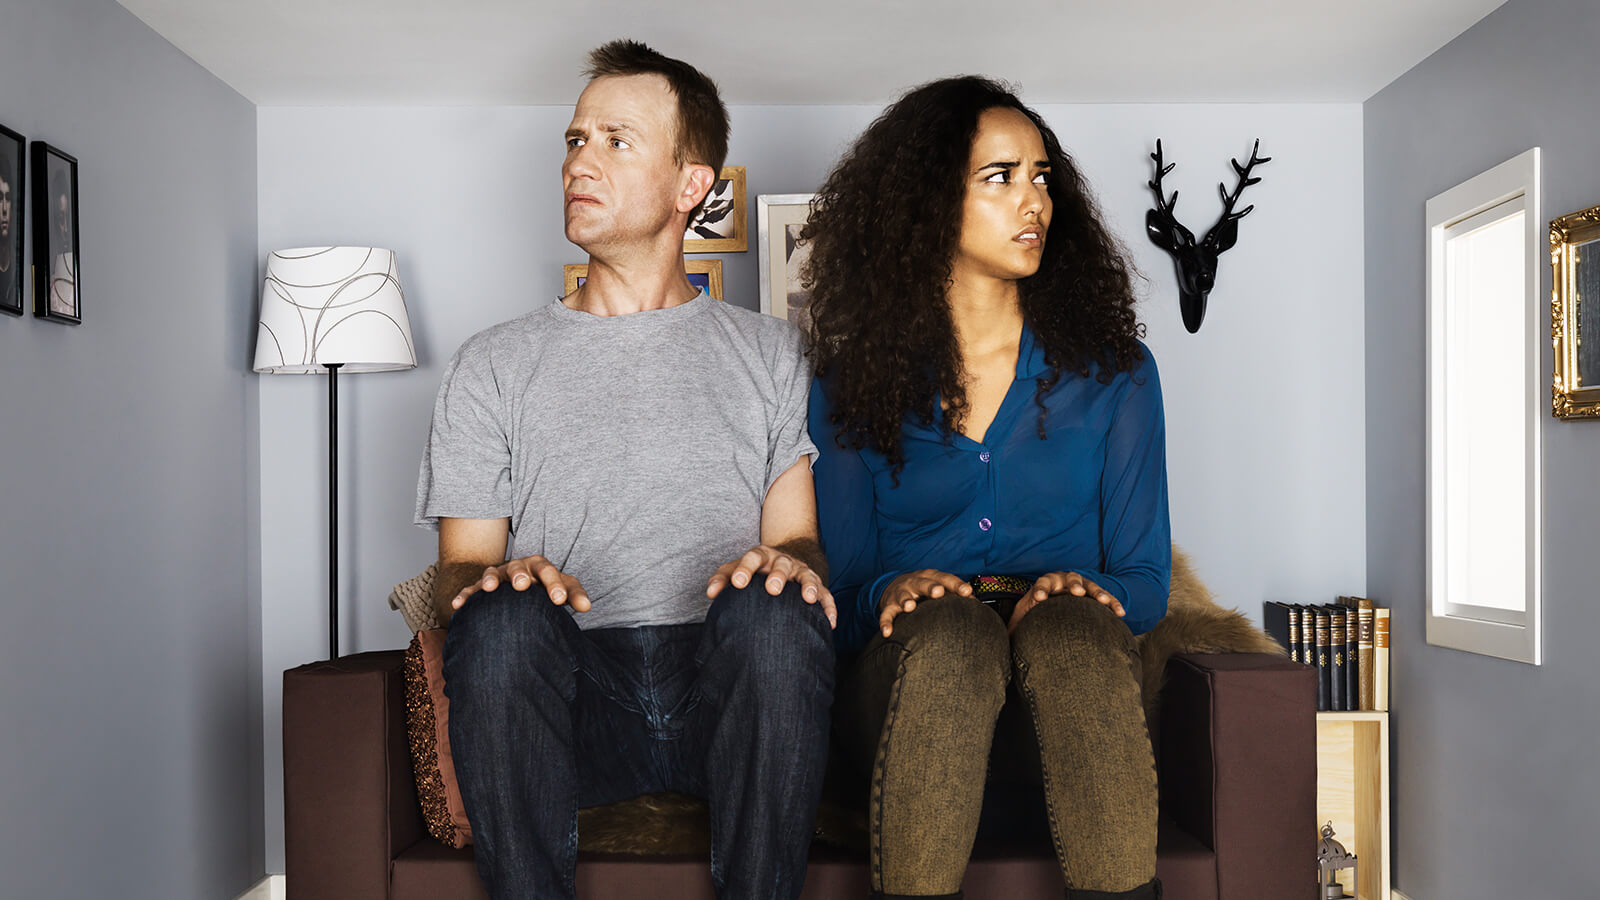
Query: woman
pixel 985 408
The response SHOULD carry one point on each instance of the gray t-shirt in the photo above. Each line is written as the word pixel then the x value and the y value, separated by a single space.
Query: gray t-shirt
pixel 634 452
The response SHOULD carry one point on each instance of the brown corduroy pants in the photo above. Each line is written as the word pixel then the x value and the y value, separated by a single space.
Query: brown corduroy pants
pixel 919 709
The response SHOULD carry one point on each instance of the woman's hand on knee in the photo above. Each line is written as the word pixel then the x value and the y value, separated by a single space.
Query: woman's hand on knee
pixel 902 594
pixel 1063 583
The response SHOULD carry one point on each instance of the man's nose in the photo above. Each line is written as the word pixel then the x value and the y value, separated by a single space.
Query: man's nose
pixel 582 163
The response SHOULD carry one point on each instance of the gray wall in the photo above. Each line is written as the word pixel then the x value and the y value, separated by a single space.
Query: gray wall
pixel 1495 785
pixel 129 672
pixel 1264 405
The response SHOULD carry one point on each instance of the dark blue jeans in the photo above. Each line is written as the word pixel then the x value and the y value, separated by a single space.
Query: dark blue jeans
pixel 546 718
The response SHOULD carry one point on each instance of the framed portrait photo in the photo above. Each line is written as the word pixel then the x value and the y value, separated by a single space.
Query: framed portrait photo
pixel 57 293
pixel 779 219
pixel 720 227
pixel 705 274
pixel 13 171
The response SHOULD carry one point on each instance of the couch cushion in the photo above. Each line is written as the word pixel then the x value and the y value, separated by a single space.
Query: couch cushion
pixel 428 870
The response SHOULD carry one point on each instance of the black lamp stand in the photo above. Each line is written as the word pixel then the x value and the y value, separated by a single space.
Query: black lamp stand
pixel 333 509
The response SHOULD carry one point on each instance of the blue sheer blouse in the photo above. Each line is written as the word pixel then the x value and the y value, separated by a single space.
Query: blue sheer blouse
pixel 1090 498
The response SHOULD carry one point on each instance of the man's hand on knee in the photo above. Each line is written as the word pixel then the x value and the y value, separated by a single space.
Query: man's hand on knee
pixel 522 574
pixel 780 569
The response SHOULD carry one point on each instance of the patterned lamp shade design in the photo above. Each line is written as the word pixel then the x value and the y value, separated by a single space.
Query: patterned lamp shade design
pixel 333 305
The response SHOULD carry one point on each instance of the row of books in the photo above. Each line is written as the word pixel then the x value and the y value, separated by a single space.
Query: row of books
pixel 1348 644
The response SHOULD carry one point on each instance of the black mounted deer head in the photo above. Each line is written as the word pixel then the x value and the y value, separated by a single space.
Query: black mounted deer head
pixel 1197 263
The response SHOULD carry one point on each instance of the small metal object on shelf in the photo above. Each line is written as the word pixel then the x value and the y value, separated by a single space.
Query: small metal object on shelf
pixel 1332 859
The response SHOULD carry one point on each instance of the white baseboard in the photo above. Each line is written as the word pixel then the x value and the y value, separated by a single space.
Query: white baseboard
pixel 1396 895
pixel 268 888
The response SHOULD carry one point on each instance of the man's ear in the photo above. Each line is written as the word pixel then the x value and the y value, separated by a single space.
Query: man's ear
pixel 699 183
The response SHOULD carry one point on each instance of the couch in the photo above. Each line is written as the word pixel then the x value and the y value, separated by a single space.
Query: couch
pixel 1235 736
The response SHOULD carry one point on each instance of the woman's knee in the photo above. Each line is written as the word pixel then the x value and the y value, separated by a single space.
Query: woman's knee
pixel 1072 627
pixel 955 639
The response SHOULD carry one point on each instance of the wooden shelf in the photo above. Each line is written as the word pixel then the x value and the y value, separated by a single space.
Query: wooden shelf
pixel 1353 792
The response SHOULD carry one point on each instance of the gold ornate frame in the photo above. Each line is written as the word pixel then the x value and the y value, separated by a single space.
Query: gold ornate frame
pixel 1568 398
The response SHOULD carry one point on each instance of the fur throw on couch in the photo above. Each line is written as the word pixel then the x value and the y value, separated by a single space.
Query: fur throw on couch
pixel 677 824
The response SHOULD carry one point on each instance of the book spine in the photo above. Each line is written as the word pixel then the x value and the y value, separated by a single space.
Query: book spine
pixel 1275 622
pixel 1364 647
pixel 1294 634
pixel 1336 642
pixel 1308 635
pixel 1352 670
pixel 1380 659
pixel 1324 673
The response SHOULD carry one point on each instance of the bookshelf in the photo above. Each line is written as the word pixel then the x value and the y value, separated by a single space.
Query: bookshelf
pixel 1353 792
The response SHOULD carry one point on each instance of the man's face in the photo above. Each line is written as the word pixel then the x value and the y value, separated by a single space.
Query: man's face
pixel 5 210
pixel 620 183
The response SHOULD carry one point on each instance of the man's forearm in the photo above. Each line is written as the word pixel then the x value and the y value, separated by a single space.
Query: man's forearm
pixel 448 581
pixel 808 551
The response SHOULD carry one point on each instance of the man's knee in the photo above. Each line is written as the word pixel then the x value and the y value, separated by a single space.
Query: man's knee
pixel 493 629
pixel 780 634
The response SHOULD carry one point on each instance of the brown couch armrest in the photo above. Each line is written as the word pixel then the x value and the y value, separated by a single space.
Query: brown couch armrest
pixel 349 795
pixel 1239 768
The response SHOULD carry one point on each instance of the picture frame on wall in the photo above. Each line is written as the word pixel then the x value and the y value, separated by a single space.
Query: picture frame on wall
pixel 705 274
pixel 13 186
pixel 779 219
pixel 721 227
pixel 57 290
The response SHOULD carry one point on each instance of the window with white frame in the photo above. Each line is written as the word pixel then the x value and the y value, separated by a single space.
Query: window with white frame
pixel 1484 459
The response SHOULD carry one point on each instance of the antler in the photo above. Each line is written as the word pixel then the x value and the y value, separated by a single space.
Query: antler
pixel 1228 200
pixel 1161 223
pixel 1166 206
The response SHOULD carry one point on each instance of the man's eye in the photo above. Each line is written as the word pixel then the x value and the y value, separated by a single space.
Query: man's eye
pixel 619 144
pixel 574 143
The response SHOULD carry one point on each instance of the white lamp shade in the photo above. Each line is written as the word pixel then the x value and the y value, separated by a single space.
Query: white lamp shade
pixel 333 305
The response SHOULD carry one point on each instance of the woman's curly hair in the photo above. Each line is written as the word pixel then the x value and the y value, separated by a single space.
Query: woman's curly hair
pixel 883 231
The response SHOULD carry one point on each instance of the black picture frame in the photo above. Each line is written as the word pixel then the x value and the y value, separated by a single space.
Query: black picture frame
pixel 13 205
pixel 57 289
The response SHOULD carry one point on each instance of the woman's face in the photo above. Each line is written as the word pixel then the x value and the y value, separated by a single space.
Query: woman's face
pixel 1007 208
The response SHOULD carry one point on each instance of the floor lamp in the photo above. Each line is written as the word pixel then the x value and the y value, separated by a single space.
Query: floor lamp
pixel 327 309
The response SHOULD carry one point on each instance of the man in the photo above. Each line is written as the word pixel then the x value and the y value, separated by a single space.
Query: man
pixel 661 623
pixel 10 289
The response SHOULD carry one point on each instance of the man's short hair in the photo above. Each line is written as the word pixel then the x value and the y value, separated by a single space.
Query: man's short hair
pixel 702 119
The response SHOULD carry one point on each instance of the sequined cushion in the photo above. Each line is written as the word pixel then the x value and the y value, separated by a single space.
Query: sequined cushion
pixel 428 731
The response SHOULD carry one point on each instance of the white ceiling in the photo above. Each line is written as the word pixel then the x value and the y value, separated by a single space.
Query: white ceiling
pixel 514 52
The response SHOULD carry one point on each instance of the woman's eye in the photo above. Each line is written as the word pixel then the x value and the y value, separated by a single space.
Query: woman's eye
pixel 1041 178
pixel 1000 177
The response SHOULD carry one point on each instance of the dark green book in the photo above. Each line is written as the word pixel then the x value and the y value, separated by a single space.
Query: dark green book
pixel 1320 617
pixel 1281 622
pixel 1338 667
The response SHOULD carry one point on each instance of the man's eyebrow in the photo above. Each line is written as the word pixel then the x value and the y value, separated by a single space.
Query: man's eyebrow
pixel 606 127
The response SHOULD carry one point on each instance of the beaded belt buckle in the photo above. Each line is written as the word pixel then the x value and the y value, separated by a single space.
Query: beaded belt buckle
pixel 1000 592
